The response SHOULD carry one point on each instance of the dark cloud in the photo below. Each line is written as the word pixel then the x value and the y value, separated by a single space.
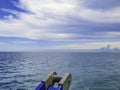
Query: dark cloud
pixel 102 4
pixel 82 27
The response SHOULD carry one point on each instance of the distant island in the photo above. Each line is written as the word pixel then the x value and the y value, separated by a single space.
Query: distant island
pixel 109 49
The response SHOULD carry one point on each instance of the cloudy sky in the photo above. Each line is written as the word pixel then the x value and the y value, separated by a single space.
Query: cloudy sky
pixel 34 25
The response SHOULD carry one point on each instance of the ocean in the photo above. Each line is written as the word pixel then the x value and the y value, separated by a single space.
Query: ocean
pixel 90 70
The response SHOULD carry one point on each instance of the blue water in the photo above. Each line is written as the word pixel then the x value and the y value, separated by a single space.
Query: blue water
pixel 90 71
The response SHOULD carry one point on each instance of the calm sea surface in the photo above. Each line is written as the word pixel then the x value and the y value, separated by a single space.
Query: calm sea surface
pixel 90 71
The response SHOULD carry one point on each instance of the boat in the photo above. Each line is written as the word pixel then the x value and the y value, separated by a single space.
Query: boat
pixel 55 82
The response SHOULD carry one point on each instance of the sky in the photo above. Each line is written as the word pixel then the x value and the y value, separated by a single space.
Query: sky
pixel 35 25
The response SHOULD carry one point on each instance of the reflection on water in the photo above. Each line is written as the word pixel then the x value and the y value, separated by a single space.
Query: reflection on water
pixel 90 71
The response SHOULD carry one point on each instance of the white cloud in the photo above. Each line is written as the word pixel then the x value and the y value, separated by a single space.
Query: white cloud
pixel 25 42
pixel 113 33
pixel 22 29
pixel 44 13
pixel 79 46
pixel 64 8
pixel 108 16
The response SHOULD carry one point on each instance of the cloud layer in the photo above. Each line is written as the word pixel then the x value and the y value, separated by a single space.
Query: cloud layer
pixel 41 15
pixel 62 20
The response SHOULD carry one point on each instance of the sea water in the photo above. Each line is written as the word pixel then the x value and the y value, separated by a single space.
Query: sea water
pixel 90 70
